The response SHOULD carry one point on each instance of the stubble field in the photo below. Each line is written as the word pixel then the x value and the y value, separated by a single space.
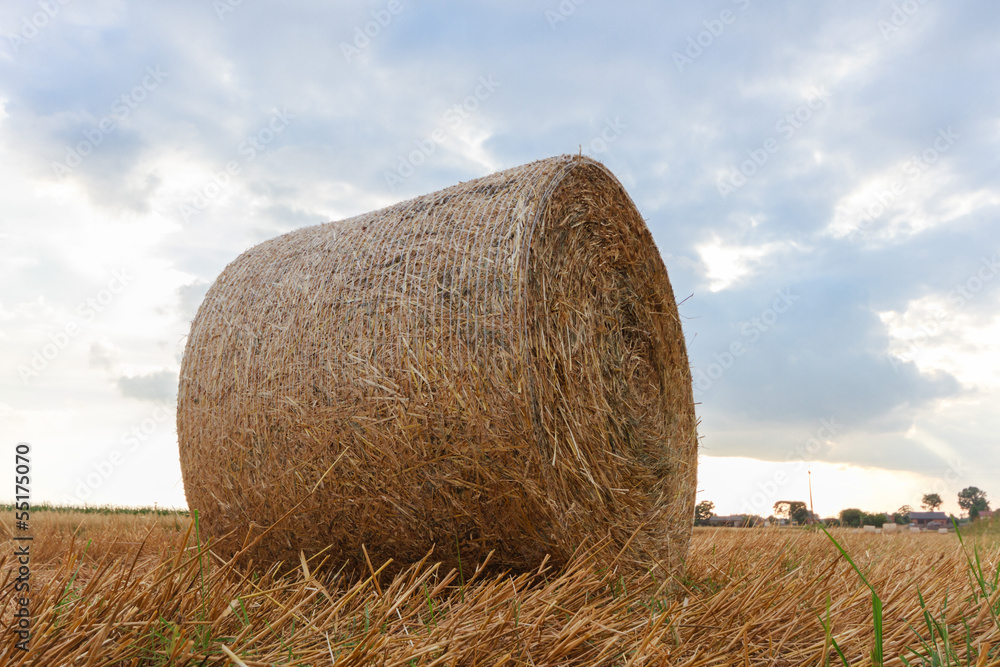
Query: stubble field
pixel 136 589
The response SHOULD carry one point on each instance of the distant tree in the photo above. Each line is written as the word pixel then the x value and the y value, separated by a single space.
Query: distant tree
pixel 800 513
pixel 973 501
pixel 703 511
pixel 931 502
pixel 878 519
pixel 851 517
pixel 791 510
pixel 902 515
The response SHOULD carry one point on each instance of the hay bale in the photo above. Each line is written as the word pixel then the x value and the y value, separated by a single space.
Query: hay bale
pixel 495 366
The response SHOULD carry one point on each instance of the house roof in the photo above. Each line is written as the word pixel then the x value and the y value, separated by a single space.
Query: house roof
pixel 928 516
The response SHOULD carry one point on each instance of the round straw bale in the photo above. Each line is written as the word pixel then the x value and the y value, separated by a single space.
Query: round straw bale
pixel 498 366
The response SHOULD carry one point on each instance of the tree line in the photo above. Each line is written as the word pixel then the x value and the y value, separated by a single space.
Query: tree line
pixel 971 499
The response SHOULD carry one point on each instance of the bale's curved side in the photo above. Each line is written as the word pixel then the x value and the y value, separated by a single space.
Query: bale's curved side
pixel 495 366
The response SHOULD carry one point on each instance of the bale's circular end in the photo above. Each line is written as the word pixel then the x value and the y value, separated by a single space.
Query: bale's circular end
pixel 498 366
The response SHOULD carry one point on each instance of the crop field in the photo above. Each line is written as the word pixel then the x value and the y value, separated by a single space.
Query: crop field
pixel 136 589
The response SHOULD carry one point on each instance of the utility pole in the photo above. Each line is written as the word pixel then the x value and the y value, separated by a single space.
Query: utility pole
pixel 811 514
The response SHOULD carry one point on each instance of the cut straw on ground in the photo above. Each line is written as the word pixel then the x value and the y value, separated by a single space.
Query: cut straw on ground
pixel 137 590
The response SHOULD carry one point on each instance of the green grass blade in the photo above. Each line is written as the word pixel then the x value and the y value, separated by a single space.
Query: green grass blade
pixel 877 650
pixel 836 647
pixel 828 631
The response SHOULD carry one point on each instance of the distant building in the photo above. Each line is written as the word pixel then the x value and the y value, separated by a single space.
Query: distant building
pixel 986 514
pixel 929 519
pixel 732 521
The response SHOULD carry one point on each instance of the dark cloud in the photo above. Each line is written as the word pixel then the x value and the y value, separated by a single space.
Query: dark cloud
pixel 190 297
pixel 101 356
pixel 158 386
pixel 827 353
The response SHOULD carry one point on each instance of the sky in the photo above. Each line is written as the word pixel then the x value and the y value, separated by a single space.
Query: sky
pixel 822 181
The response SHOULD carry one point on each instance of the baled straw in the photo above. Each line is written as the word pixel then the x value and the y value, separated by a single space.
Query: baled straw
pixel 498 366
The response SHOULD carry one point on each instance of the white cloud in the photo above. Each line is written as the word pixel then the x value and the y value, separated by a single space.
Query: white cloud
pixel 727 264
pixel 918 193
pixel 939 335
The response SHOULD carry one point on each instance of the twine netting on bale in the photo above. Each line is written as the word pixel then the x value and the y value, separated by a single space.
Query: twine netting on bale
pixel 498 366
